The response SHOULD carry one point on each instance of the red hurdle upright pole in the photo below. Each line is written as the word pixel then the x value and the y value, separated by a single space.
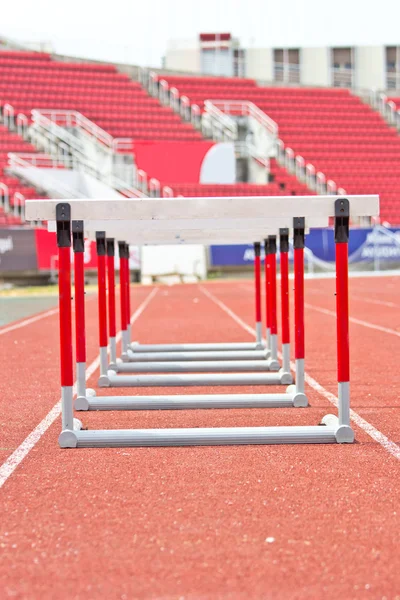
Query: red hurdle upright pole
pixel 284 269
pixel 257 283
pixel 267 292
pixel 342 217
pixel 298 245
pixel 102 299
pixel 79 288
pixel 272 297
pixel 112 326
pixel 123 298
pixel 128 294
pixel 63 220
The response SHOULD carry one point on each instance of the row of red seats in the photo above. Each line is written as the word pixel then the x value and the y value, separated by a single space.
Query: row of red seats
pixel 53 65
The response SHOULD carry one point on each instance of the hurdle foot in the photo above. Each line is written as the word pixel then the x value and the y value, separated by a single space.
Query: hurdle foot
pixel 300 400
pixel 273 365
pixel 90 393
pixel 67 439
pixel 104 380
pixel 288 379
pixel 344 435
pixel 285 378
pixel 81 403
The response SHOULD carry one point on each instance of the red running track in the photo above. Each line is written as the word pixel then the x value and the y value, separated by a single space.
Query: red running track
pixel 219 522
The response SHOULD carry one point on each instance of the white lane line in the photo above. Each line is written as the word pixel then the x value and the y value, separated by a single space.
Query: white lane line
pixel 331 313
pixel 12 462
pixel 374 433
pixel 371 301
pixel 26 322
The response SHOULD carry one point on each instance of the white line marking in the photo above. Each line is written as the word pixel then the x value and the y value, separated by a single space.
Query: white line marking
pixel 374 433
pixel 356 297
pixel 331 313
pixel 378 302
pixel 43 315
pixel 12 462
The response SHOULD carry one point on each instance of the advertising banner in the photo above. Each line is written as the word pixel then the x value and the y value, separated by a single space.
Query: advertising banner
pixel 17 250
pixel 365 245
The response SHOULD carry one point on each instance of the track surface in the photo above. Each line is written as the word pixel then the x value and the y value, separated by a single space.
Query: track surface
pixel 219 522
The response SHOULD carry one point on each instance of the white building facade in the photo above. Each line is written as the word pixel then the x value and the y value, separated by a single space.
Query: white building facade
pixel 361 67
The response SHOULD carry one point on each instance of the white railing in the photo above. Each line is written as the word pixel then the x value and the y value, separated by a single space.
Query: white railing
pixel 5 196
pixel 306 172
pixel 22 125
pixel 19 205
pixel 393 80
pixel 73 120
pixel 286 72
pixel 167 192
pixel 217 124
pixel 47 182
pixel 159 88
pixel 42 161
pixel 388 109
pixel 342 77
pixel 240 108
pixel 69 152
pixel 57 124
pixel 8 116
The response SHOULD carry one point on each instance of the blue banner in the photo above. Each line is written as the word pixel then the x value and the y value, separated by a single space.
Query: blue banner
pixel 365 245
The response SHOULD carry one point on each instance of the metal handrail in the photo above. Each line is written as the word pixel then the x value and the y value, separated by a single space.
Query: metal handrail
pixel 19 202
pixel 167 192
pixel 248 109
pixel 6 196
pixel 22 124
pixel 72 118
pixel 53 185
pixel 8 116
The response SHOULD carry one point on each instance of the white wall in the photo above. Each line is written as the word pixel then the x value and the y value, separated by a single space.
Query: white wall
pixel 315 66
pixel 370 67
pixel 168 260
pixel 219 164
pixel 184 59
pixel 260 63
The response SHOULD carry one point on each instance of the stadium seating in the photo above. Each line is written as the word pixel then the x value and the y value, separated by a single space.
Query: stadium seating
pixel 332 129
pixel 282 184
pixel 115 103
pixel 109 98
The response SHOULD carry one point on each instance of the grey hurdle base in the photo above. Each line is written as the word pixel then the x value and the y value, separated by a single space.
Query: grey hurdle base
pixel 291 398
pixel 206 355
pixel 112 379
pixel 329 432
pixel 198 366
pixel 200 347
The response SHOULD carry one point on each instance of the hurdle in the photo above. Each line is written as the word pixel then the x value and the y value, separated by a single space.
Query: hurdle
pixel 335 429
pixel 294 395
pixel 199 362
pixel 187 349
pixel 194 362
pixel 288 399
